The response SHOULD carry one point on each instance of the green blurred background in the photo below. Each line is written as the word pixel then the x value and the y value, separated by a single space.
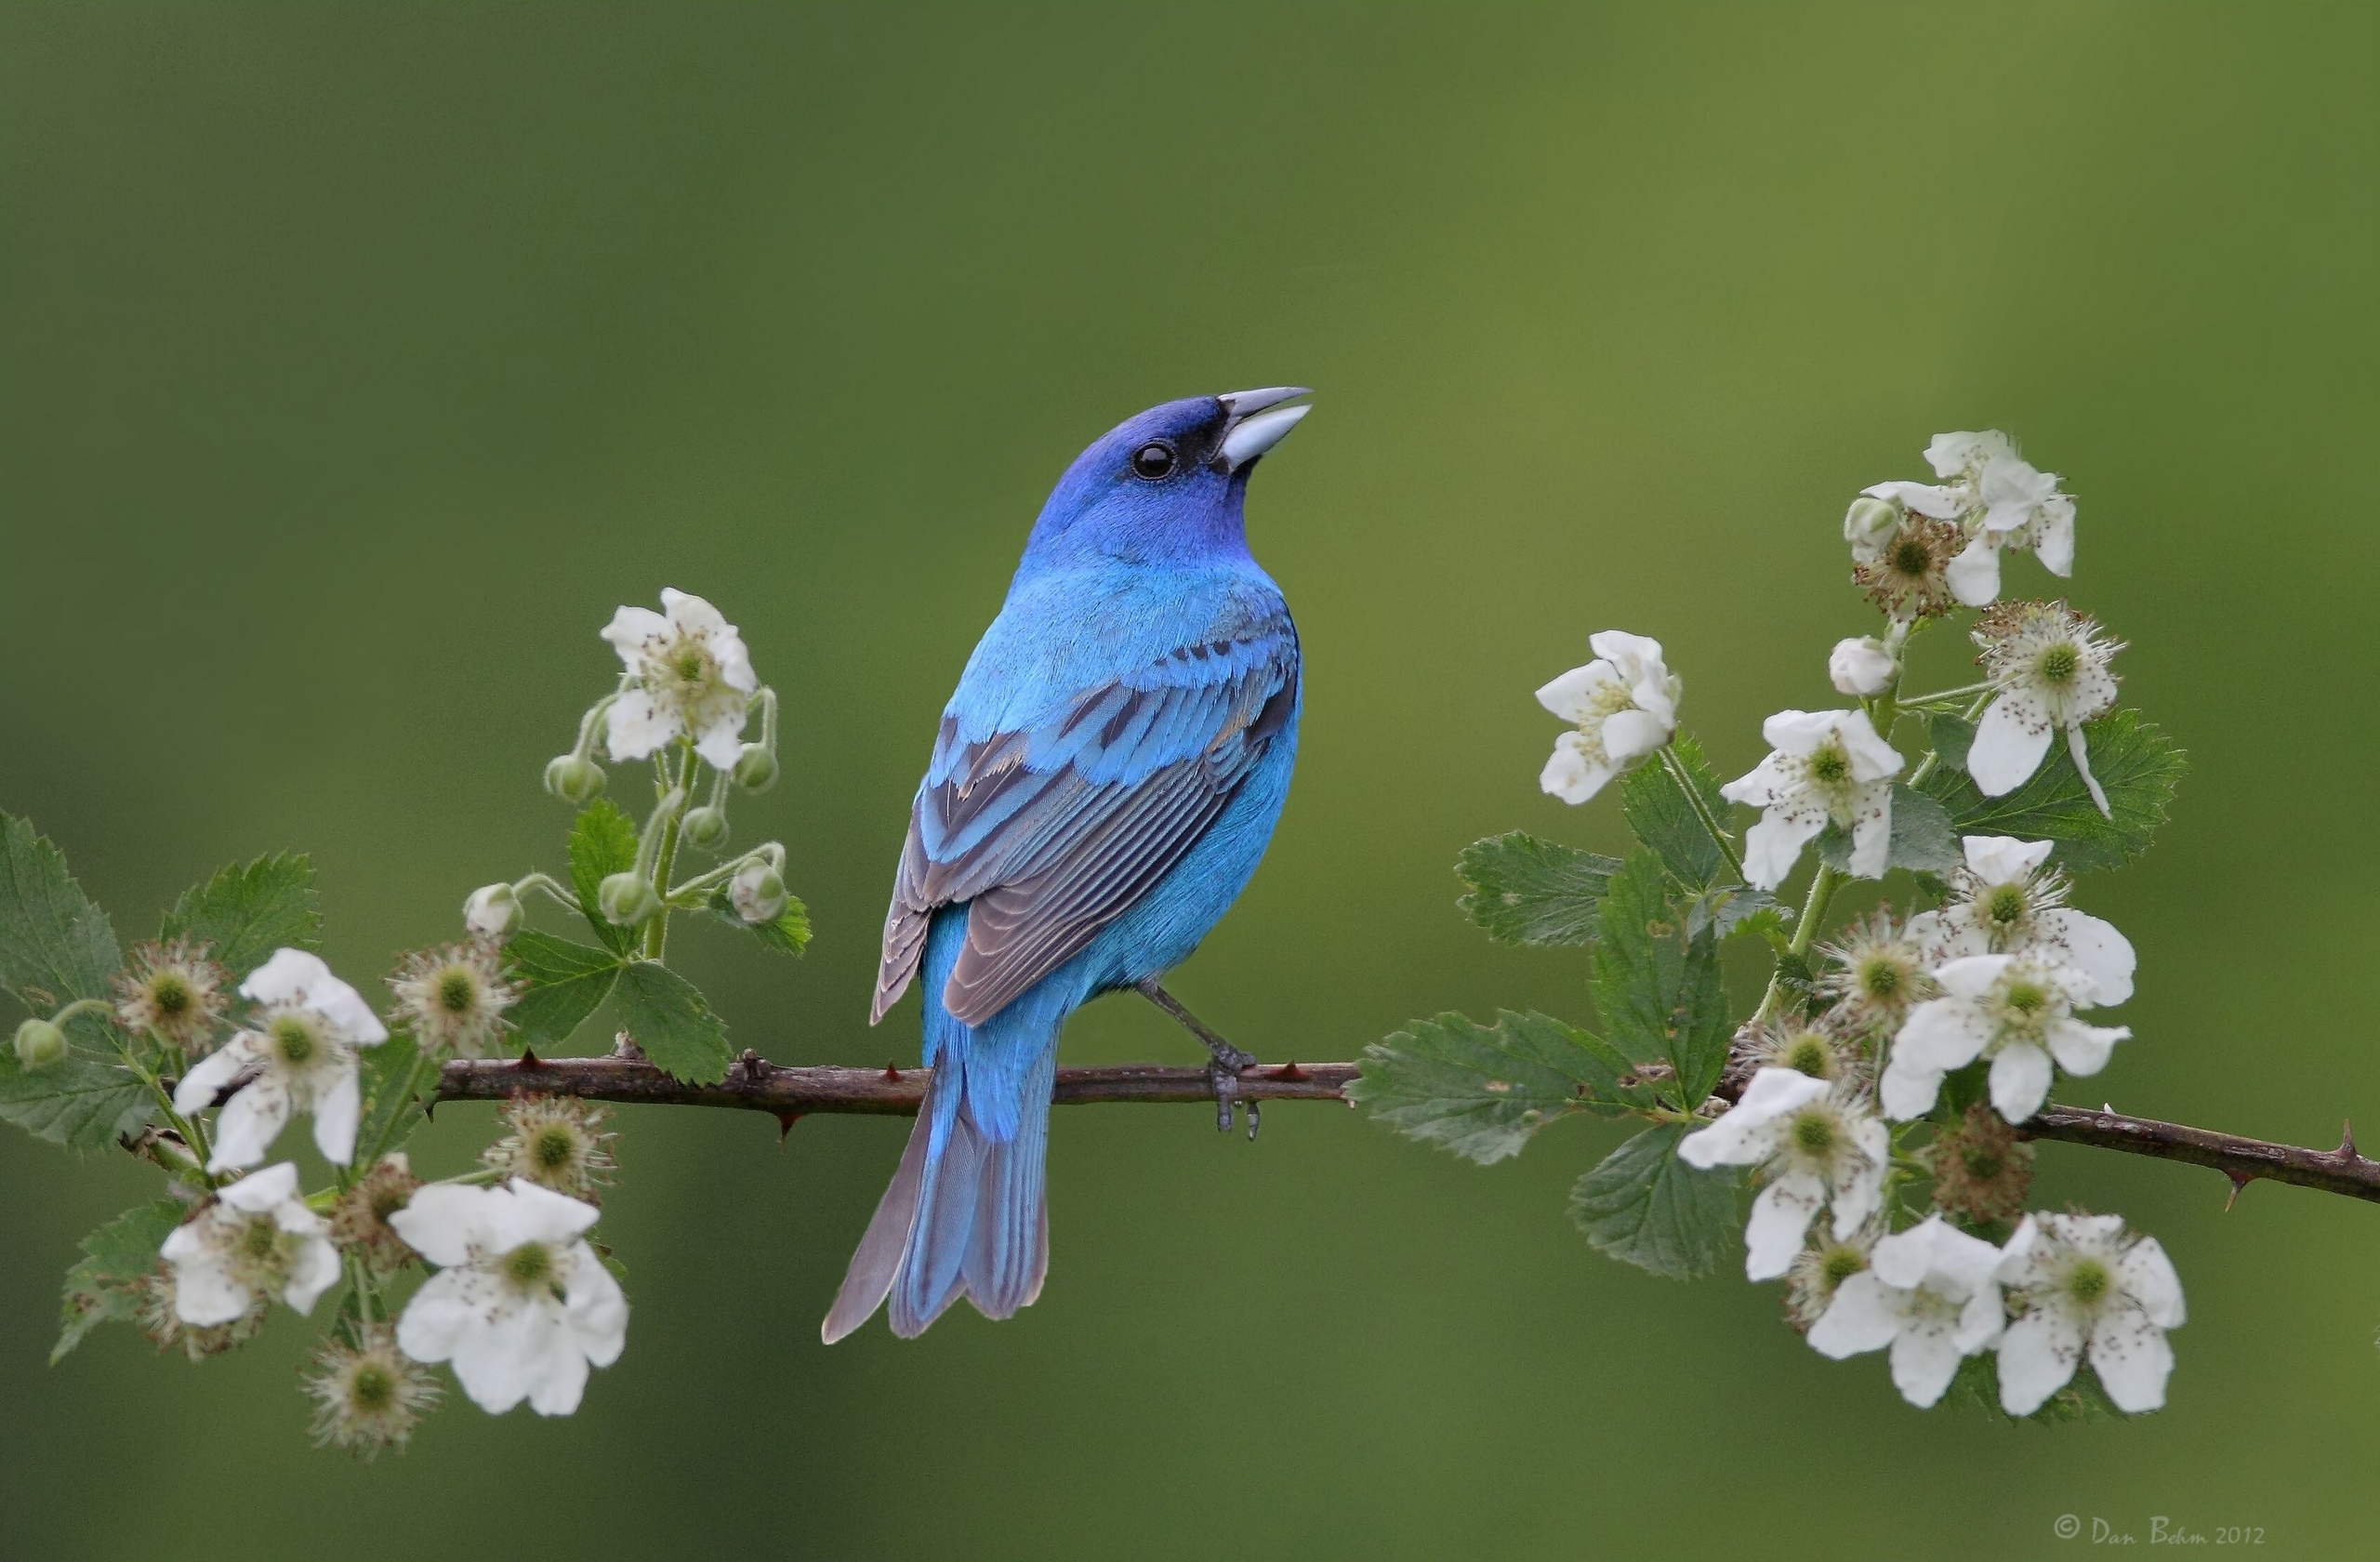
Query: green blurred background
pixel 355 362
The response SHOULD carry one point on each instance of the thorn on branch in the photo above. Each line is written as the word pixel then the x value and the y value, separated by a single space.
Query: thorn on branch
pixel 2345 1151
pixel 528 1059
pixel 2239 1181
pixel 892 1073
pixel 785 1126
pixel 623 1047
pixel 1290 1071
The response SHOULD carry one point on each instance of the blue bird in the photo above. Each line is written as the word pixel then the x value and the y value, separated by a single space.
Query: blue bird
pixel 1105 778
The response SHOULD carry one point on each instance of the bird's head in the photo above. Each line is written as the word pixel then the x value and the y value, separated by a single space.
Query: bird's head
pixel 1166 485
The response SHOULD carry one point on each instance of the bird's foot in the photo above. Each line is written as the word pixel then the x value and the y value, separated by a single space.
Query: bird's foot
pixel 1225 1060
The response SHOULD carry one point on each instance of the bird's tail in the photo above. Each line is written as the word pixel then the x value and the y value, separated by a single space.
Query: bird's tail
pixel 967 1213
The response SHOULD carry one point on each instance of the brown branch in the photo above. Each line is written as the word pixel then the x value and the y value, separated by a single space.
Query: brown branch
pixel 761 1086
pixel 757 1085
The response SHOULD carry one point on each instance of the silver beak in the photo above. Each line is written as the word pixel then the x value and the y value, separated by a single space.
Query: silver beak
pixel 1258 422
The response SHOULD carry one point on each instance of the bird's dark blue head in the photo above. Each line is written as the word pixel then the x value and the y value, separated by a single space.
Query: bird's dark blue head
pixel 1166 487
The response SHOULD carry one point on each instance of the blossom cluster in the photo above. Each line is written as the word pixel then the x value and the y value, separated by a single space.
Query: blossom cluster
pixel 1912 1047
pixel 490 1273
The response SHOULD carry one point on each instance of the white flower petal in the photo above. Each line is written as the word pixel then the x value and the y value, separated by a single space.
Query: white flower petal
pixel 2054 536
pixel 2132 1358
pixel 1630 735
pixel 1774 845
pixel 1620 647
pixel 597 1312
pixel 259 1191
pixel 1861 1194
pixel 1569 776
pixel 1972 976
pixel 1871 842
pixel 449 1305
pixel 287 978
pixel 2020 1077
pixel 1861 667
pixel 2004 859
pixel 210 1074
pixel 1965 450
pixel 1982 1320
pixel 687 611
pixel 2149 1275
pixel 537 1214
pixel 1872 758
pixel 2007 748
pixel 205 1295
pixel 442 1222
pixel 350 1018
pixel 637 726
pixel 498 1359
pixel 1864 1315
pixel 1973 575
pixel 2037 1355
pixel 338 1107
pixel 1745 1134
pixel 1572 696
pixel 1771 781
pixel 1940 504
pixel 1781 1218
pixel 315 1271
pixel 721 741
pixel 1908 1090
pixel 1799 731
pixel 1924 1360
pixel 1942 1034
pixel 249 1123
pixel 630 628
pixel 2081 1049
pixel 2021 1259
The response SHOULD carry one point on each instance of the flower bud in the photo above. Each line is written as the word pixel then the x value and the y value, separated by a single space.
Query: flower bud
pixel 756 768
pixel 1867 525
pixel 706 828
pixel 573 779
pixel 40 1043
pixel 493 913
pixel 1861 667
pixel 758 893
pixel 627 899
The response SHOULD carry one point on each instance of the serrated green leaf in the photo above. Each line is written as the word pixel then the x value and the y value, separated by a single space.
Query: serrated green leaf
pixel 669 1019
pixel 1481 1090
pixel 1525 890
pixel 1659 810
pixel 54 945
pixel 560 983
pixel 1728 910
pixel 1646 1207
pixel 1659 990
pixel 245 912
pixel 1951 736
pixel 788 934
pixel 602 841
pixel 2136 764
pixel 1920 841
pixel 78 1102
pixel 103 1286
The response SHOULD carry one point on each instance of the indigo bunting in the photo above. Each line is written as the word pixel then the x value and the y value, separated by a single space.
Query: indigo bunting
pixel 1104 780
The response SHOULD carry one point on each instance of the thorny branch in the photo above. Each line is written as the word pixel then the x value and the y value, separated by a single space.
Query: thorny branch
pixel 787 1093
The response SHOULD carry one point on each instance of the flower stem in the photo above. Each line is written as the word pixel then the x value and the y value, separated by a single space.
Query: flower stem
pixel 1822 888
pixel 672 811
pixel 554 890
pixel 1701 809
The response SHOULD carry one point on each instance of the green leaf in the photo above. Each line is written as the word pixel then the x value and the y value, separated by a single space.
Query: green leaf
pixel 1646 1207
pixel 1659 990
pixel 1529 891
pixel 244 913
pixel 602 841
pixel 1920 841
pixel 78 1102
pixel 562 983
pixel 1732 908
pixel 2136 764
pixel 670 1019
pixel 1951 738
pixel 788 934
pixel 383 1074
pixel 54 945
pixel 104 1284
pixel 1663 818
pixel 1481 1090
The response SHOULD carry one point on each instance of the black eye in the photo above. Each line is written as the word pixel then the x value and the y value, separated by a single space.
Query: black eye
pixel 1152 461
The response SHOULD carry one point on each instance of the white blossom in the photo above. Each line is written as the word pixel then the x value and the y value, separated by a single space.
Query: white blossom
pixel 2003 901
pixel 1827 766
pixel 296 1056
pixel 2086 1285
pixel 1999 500
pixel 255 1240
pixel 1861 667
pixel 519 1305
pixel 1962 455
pixel 2016 1010
pixel 690 677
pixel 1929 1293
pixel 1625 705
pixel 1816 1145
pixel 2049 672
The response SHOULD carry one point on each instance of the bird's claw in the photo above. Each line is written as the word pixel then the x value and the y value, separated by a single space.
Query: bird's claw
pixel 1225 1069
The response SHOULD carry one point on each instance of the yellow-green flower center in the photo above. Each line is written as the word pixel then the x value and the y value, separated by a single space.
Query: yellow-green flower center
pixel 2026 998
pixel 1808 1053
pixel 170 994
pixel 458 989
pixel 373 1387
pixel 2059 663
pixel 259 1239
pixel 2005 904
pixel 529 1266
pixel 1838 1264
pixel 2088 1281
pixel 1830 766
pixel 1880 978
pixel 553 1147
pixel 1813 1133
pixel 1910 556
pixel 295 1039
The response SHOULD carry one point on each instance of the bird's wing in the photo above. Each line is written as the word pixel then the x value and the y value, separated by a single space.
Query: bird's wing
pixel 1054 829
